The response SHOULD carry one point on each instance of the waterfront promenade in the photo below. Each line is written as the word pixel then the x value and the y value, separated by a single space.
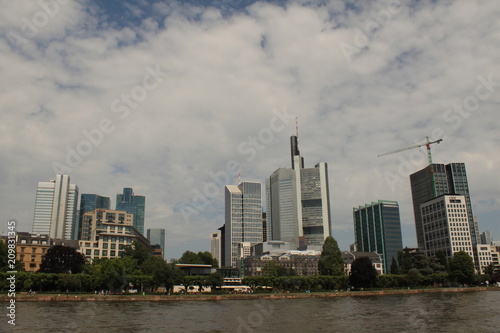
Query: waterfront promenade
pixel 212 297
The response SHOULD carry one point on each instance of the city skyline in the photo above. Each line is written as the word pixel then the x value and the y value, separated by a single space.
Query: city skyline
pixel 214 92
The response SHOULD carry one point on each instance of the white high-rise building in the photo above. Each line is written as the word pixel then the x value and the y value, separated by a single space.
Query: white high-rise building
pixel 56 209
pixel 445 223
pixel 215 246
pixel 243 220
pixel 298 203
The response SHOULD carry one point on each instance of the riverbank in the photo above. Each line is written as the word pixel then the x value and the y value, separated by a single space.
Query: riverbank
pixel 201 297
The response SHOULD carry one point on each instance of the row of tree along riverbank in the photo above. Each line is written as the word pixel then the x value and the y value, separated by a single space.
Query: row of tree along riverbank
pixel 205 297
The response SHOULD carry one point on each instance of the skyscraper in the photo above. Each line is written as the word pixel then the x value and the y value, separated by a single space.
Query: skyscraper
pixel 132 204
pixel 215 246
pixel 377 228
pixel 90 202
pixel 448 179
pixel 298 202
pixel 243 220
pixel 156 238
pixel 445 223
pixel 56 208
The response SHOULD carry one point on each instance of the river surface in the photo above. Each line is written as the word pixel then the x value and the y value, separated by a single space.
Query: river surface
pixel 435 312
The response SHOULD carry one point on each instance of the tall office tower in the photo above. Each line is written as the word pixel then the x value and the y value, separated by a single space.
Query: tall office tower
pixel 486 238
pixel 243 220
pixel 56 208
pixel 156 238
pixel 132 204
pixel 448 179
pixel 264 227
pixel 215 246
pixel 377 228
pixel 445 222
pixel 89 203
pixel 298 202
pixel 222 261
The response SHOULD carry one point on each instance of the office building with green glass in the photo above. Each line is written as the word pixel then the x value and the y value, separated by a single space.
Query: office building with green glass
pixel 377 228
pixel 132 204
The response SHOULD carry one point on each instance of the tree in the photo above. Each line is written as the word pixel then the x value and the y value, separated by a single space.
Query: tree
pixel 363 274
pixel 207 259
pixel 461 268
pixel 274 270
pixel 137 251
pixel 62 259
pixel 190 257
pixel 331 262
pixel 394 266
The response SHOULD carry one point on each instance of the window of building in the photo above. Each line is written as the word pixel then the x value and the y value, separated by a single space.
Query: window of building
pixel 96 252
pixel 104 253
pixel 113 246
pixel 87 252
pixel 112 253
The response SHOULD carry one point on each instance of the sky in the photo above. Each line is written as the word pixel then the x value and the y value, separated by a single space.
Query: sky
pixel 176 98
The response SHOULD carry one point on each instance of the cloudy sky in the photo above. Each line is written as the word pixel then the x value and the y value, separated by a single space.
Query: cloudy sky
pixel 173 98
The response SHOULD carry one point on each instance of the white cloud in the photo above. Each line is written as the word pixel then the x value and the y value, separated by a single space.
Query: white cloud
pixel 221 88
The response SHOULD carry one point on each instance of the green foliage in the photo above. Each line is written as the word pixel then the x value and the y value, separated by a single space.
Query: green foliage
pixel 394 266
pixel 201 258
pixel 298 283
pixel 461 268
pixel 331 262
pixel 62 259
pixel 137 251
pixel 4 253
pixel 363 274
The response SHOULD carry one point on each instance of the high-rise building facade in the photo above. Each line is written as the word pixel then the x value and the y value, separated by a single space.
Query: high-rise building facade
pixel 215 246
pixel 445 223
pixel 132 204
pixel 106 233
pixel 156 238
pixel 56 208
pixel 89 203
pixel 298 202
pixel 434 181
pixel 448 179
pixel 243 220
pixel 377 228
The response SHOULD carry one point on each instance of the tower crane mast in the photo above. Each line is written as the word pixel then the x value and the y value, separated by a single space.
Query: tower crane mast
pixel 427 144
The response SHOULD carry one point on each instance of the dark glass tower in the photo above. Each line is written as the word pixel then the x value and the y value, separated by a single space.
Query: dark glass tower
pixel 449 179
pixel 89 203
pixel 132 204
pixel 377 228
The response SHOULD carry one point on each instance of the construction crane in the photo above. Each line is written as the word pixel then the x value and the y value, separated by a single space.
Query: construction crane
pixel 427 144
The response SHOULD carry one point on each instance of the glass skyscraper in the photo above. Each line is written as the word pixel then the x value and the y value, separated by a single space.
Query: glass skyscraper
pixel 132 204
pixel 448 179
pixel 89 203
pixel 56 208
pixel 298 203
pixel 156 237
pixel 377 228
pixel 243 220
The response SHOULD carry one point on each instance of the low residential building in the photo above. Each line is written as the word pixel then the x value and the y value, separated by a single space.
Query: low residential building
pixel 375 258
pixel 105 234
pixel 31 249
pixel 488 255
pixel 301 262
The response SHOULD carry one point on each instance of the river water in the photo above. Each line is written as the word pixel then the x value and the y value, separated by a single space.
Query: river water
pixel 435 312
